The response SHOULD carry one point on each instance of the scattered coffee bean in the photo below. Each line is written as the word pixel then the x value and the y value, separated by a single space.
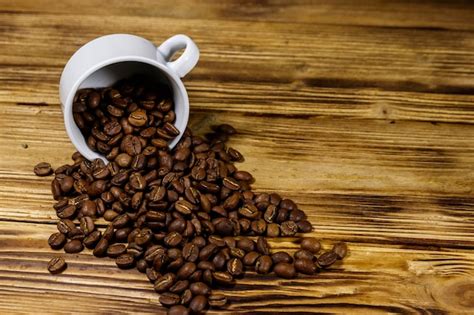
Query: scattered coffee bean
pixel 327 259
pixel 340 249
pixel 43 169
pixel 57 240
pixel 198 304
pixel 311 244
pixel 178 310
pixel 285 270
pixel 305 266
pixel 217 300
pixel 57 265
pixel 73 246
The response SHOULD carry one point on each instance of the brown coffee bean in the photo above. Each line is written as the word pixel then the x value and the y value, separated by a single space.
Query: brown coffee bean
pixel 200 288
pixel 178 310
pixel 186 270
pixel 190 252
pixel 243 175
pixel 91 240
pixel 263 264
pixel 262 246
pixel 43 169
pixel 279 257
pixel 184 207
pixel 340 249
pixel 327 259
pixel 258 226
pixel 235 267
pixel 65 226
pixel 169 299
pixel 89 208
pixel 87 225
pixel 66 212
pixel 288 228
pixel 250 258
pixel 304 226
pixel 173 239
pixel 57 240
pixel 311 244
pixel 303 254
pixel 198 303
pixel 138 118
pixel 217 300
pixel 246 244
pixel 116 250
pixel 123 160
pixel 74 246
pixel 273 230
pixel 305 266
pixel 125 261
pixel 101 248
pixel 223 277
pixel 285 270
pixel 121 221
pixel 56 265
pixel 163 283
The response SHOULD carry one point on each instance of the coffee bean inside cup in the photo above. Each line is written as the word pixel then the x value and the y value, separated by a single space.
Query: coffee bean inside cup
pixel 187 218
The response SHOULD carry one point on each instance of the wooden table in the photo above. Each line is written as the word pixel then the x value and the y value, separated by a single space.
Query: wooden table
pixel 362 112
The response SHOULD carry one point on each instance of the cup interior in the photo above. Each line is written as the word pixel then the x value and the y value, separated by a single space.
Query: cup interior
pixel 109 75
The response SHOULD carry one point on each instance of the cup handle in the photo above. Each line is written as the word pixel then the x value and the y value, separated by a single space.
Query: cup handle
pixel 187 60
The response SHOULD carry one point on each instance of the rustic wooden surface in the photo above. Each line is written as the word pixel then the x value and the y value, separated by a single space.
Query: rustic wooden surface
pixel 362 112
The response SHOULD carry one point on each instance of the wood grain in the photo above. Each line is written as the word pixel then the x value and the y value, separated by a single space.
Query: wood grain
pixel 361 112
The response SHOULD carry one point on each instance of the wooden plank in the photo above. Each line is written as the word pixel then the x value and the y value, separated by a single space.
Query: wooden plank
pixel 439 280
pixel 397 14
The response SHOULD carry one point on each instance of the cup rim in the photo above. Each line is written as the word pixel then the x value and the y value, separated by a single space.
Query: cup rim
pixel 68 112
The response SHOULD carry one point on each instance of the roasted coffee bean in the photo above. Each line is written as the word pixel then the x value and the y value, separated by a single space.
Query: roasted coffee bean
pixel 250 258
pixel 284 270
pixel 67 212
pixel 121 221
pixel 305 266
pixel 179 286
pixel 163 283
pixel 262 246
pixel 311 244
pixel 142 265
pixel 273 230
pixel 87 225
pixel 340 249
pixel 303 254
pixel 125 261
pixel 57 240
pixel 279 257
pixel 43 169
pixel 223 277
pixel 74 246
pixel 327 259
pixel 258 226
pixel 89 208
pixel 288 228
pixel 235 267
pixel 263 264
pixel 152 274
pixel 138 118
pixel 91 240
pixel 198 304
pixel 169 299
pixel 190 252
pixel 116 250
pixel 56 265
pixel 173 239
pixel 288 204
pixel 178 310
pixel 246 244
pixel 186 297
pixel 243 176
pixel 304 226
pixel 101 248
pixel 65 226
pixel 217 300
pixel 186 270
pixel 200 288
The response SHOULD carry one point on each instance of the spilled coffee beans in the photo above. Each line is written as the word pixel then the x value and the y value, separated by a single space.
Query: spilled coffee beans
pixel 187 217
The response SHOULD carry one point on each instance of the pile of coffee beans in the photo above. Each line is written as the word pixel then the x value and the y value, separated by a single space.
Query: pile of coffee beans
pixel 187 217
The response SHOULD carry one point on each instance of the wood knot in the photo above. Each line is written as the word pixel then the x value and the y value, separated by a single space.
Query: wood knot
pixel 457 294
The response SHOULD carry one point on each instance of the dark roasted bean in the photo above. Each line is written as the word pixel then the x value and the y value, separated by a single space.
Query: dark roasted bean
pixel 56 265
pixel 327 259
pixel 74 246
pixel 284 270
pixel 305 266
pixel 311 244
pixel 125 261
pixel 340 249
pixel 43 169
pixel 263 264
pixel 57 240
pixel 279 257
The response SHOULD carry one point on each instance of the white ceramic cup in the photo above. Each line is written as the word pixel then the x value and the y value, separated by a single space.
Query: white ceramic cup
pixel 107 59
